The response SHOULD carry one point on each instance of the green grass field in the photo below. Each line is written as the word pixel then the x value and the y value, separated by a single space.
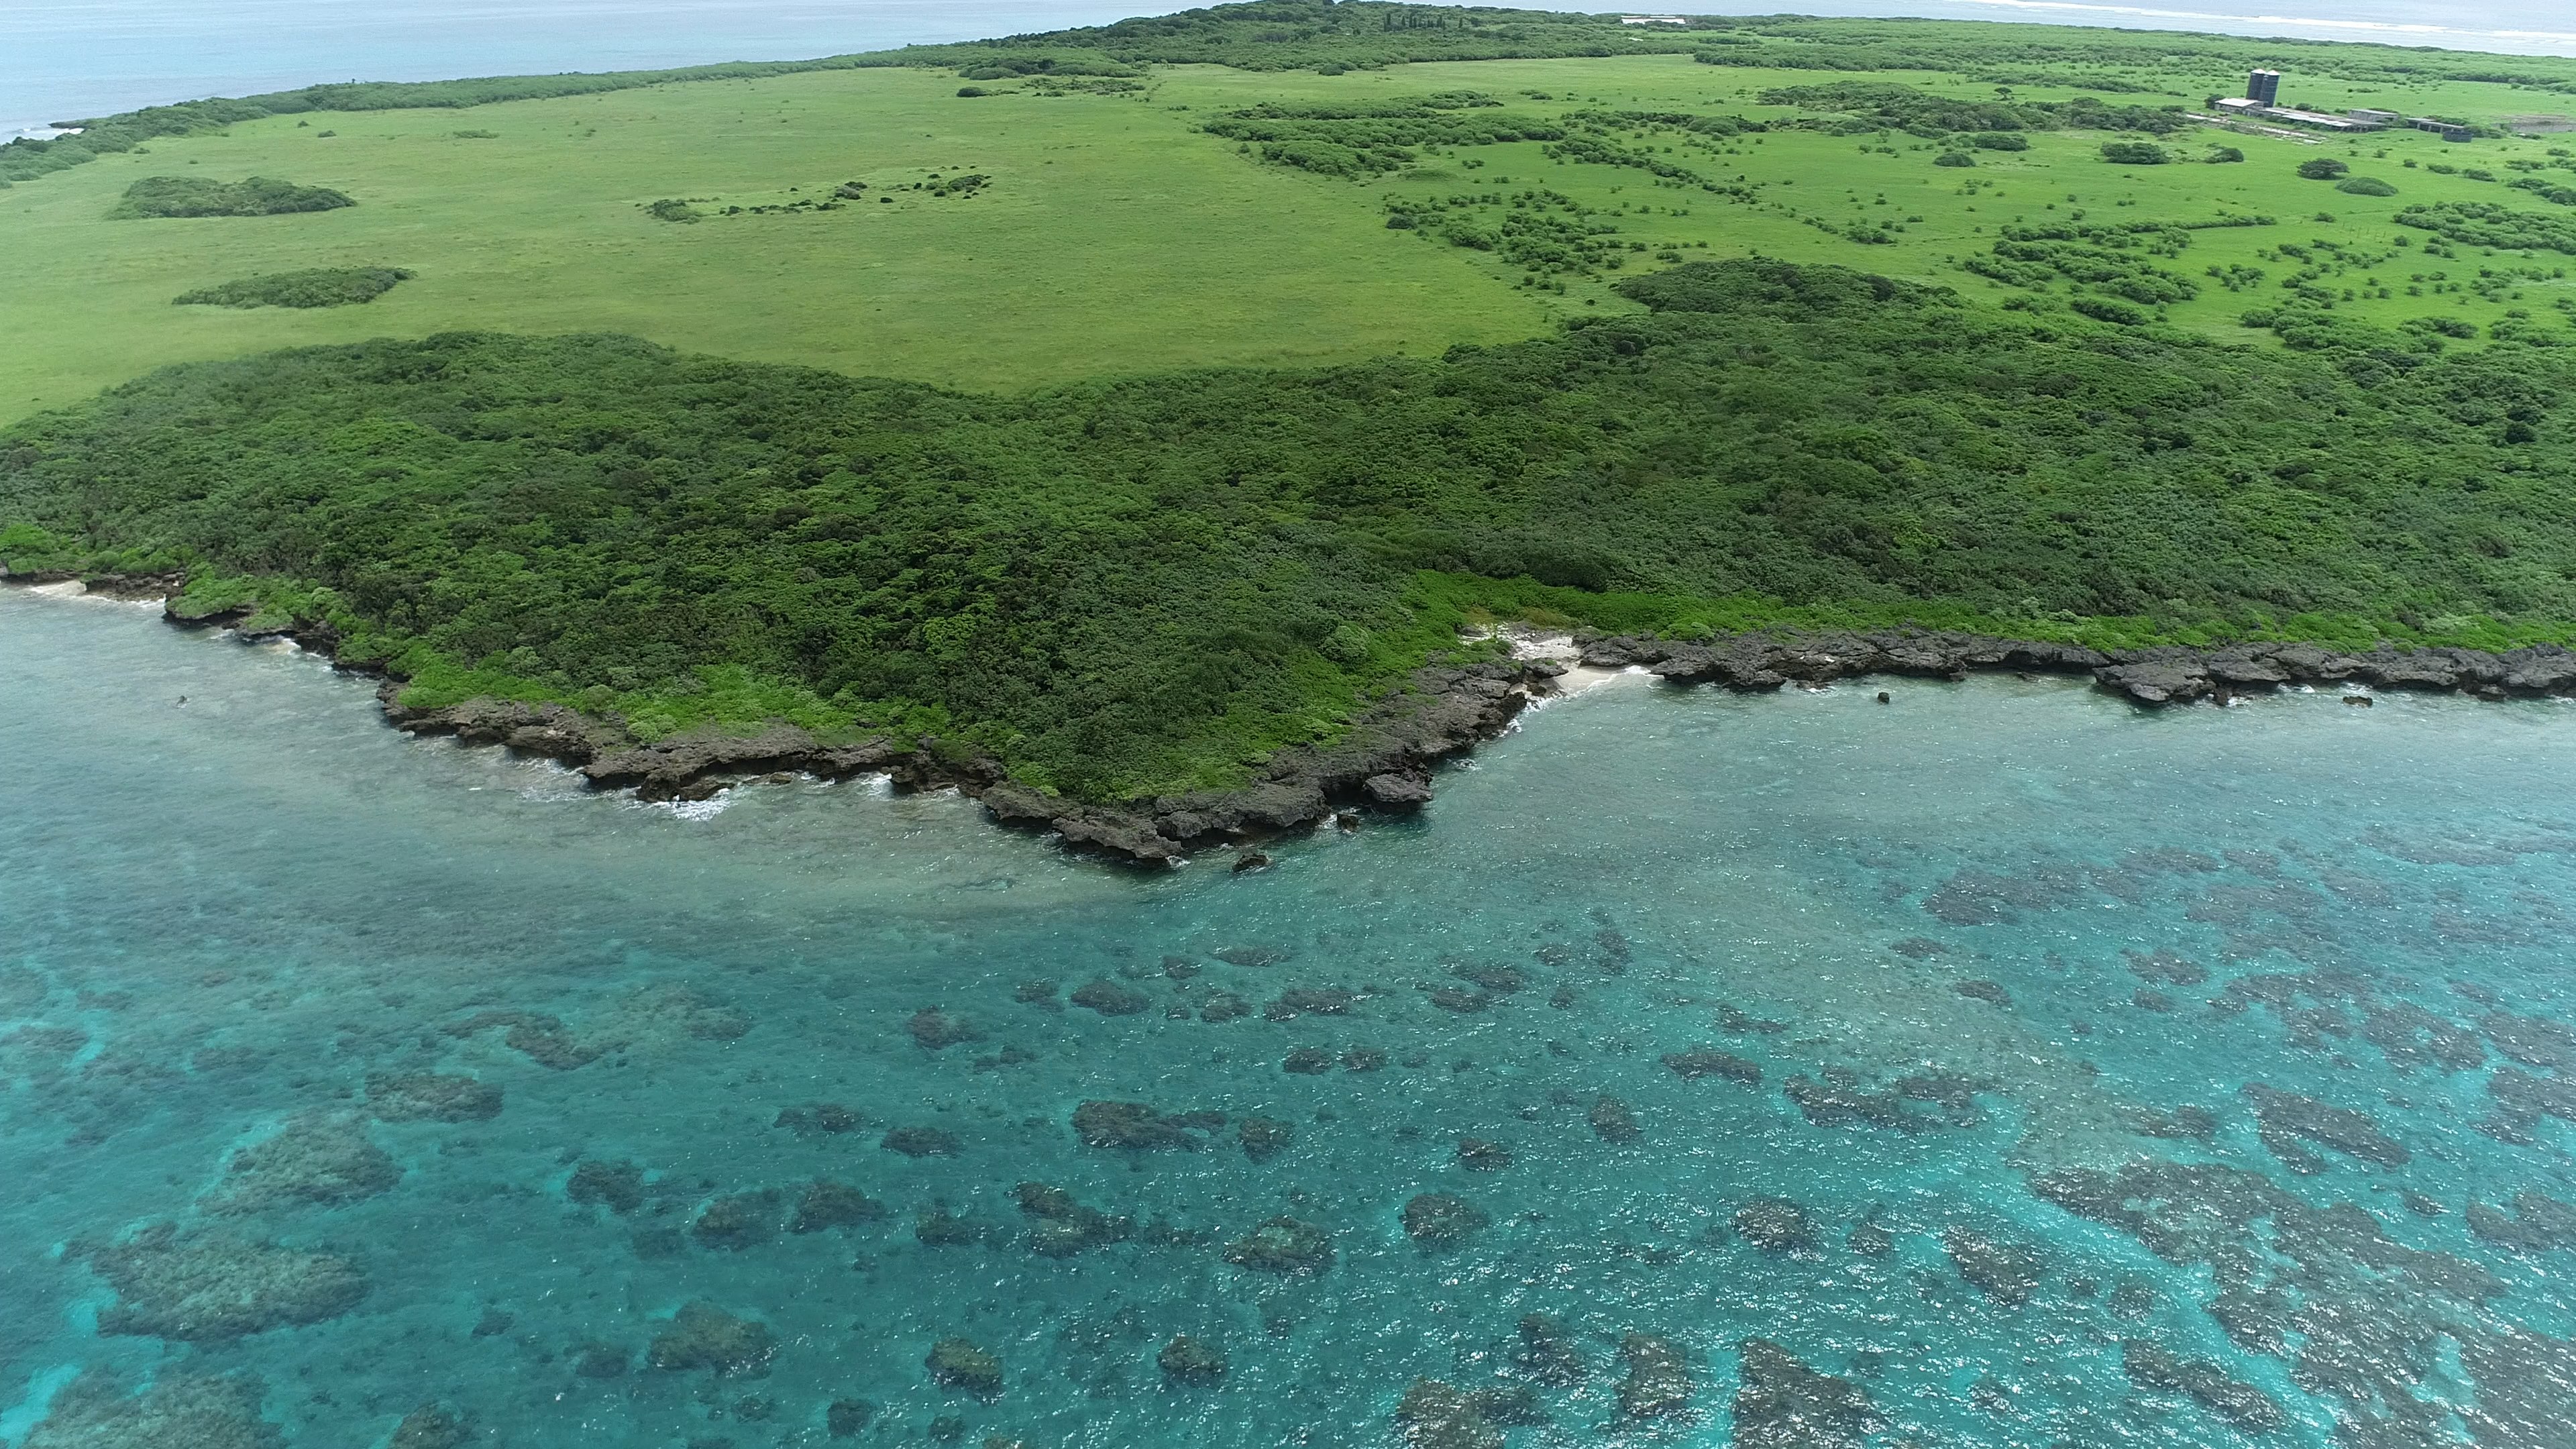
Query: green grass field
pixel 1118 237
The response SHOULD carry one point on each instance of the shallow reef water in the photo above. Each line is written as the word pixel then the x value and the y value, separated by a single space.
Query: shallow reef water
pixel 1996 1066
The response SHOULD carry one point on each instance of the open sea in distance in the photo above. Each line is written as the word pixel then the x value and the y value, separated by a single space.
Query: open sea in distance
pixel 75 58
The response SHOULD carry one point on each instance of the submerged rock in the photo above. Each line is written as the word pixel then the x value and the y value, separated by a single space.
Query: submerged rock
pixel 1061 1227
pixel 1781 1403
pixel 2005 1272
pixel 1612 1121
pixel 1776 1225
pixel 741 1220
pixel 1283 1245
pixel 1193 1361
pixel 703 1336
pixel 958 1363
pixel 935 1030
pixel 2539 1224
pixel 1438 1222
pixel 828 1204
pixel 1700 1062
pixel 178 1411
pixel 1478 1155
pixel 1264 1138
pixel 2286 1115
pixel 829 1118
pixel 617 1186
pixel 1436 1415
pixel 1136 1126
pixel 315 1159
pixel 1107 997
pixel 542 1039
pixel 214 1289
pixel 431 1097
pixel 1659 1382
pixel 920 1142
pixel 1547 1353
pixel 1307 1061
pixel 844 1418
pixel 2234 1401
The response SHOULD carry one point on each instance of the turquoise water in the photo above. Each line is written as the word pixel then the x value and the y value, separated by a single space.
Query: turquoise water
pixel 220 919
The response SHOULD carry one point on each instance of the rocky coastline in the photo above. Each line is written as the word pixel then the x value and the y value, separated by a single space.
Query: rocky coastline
pixel 1386 762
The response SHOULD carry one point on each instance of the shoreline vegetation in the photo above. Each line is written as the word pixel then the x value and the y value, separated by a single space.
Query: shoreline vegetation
pixel 1173 605
pixel 1222 604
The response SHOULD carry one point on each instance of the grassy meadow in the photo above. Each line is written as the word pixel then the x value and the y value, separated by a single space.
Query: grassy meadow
pixel 1116 236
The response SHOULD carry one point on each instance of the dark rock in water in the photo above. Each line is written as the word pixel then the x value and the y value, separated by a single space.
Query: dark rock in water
pixel 703 1336
pixel 2156 682
pixel 1659 1382
pixel 1039 993
pixel 1436 1415
pixel 1839 1100
pixel 1310 1001
pixel 1363 1059
pixel 492 1324
pixel 2197 1124
pixel 1984 991
pixel 825 1117
pixel 1776 1225
pixel 1061 1227
pixel 827 1205
pixel 617 1186
pixel 1136 1125
pixel 2233 1401
pixel 1700 1062
pixel 943 1229
pixel 1781 1403
pixel 2538 1225
pixel 2534 1041
pixel 742 1220
pixel 178 1411
pixel 2145 1000
pixel 1988 1395
pixel 1492 979
pixel 2283 1116
pixel 1562 998
pixel 2412 1037
pixel 1251 957
pixel 2418 1204
pixel 431 1097
pixel 1396 792
pixel 655 1244
pixel 1224 1006
pixel 846 1417
pixel 1264 1138
pixel 1285 1246
pixel 2006 1273
pixel 314 1159
pixel 1193 1361
pixel 213 1289
pixel 957 1363
pixel 2164 968
pixel 936 1030
pixel 1612 1121
pixel 1547 1353
pixel 1109 998
pixel 920 1142
pixel 1871 1240
pixel 542 1039
pixel 1249 861
pixel 1307 1061
pixel 2526 1389
pixel 1180 968
pixel 429 1427
pixel 1457 999
pixel 1438 1222
pixel 600 1361
pixel 1736 1022
pixel 1478 1155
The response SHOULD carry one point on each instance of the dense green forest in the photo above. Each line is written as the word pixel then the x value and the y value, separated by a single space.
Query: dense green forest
pixel 1126 586
pixel 205 196
pixel 1333 36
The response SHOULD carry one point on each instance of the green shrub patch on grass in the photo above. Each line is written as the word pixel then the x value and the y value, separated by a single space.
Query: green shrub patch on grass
pixel 320 287
pixel 202 196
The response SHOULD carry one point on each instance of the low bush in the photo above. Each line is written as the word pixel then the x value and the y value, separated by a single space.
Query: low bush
pixel 321 287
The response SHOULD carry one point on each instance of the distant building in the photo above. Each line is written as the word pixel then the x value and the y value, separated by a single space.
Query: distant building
pixel 1652 20
pixel 2443 129
pixel 2263 88
pixel 2375 118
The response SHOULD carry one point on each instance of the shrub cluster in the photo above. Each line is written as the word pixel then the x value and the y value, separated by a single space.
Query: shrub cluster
pixel 320 287
pixel 203 196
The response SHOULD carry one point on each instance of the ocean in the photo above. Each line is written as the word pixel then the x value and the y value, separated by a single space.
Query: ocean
pixel 78 58
pixel 2000 1065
